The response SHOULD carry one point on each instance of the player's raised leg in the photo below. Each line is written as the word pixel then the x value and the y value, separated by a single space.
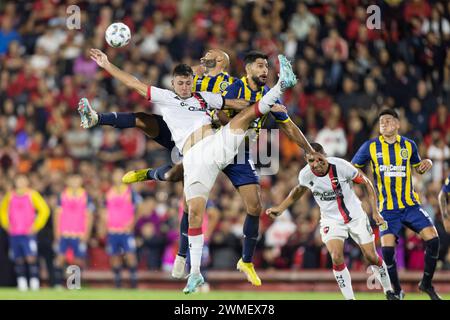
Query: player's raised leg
pixel 336 249
pixel 287 79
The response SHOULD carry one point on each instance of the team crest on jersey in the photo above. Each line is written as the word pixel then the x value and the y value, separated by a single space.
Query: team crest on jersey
pixel 223 85
pixel 404 154
pixel 326 229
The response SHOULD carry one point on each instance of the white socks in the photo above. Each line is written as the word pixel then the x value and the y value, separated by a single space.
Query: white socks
pixel 382 275
pixel 195 251
pixel 269 99
pixel 22 284
pixel 34 284
pixel 344 281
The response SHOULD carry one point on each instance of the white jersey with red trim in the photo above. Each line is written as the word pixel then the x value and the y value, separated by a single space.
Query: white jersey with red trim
pixel 334 192
pixel 184 116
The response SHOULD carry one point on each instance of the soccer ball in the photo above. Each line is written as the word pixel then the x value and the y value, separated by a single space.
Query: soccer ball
pixel 118 35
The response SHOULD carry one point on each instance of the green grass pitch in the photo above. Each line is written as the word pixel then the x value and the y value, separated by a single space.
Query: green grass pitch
pixel 157 294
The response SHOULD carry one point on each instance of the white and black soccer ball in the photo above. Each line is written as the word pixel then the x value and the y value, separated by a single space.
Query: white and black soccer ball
pixel 118 35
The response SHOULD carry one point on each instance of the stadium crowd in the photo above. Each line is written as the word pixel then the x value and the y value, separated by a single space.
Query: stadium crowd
pixel 347 73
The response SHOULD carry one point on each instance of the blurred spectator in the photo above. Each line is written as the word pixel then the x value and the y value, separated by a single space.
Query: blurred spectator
pixel 333 138
pixel 439 153
pixel 302 21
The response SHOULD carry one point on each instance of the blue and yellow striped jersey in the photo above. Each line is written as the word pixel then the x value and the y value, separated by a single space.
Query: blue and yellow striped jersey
pixel 216 84
pixel 446 187
pixel 391 166
pixel 241 90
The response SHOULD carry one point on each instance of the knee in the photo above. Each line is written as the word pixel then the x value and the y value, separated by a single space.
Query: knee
pixel 254 208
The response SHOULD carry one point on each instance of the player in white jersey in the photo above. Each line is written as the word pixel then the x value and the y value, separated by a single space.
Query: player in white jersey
pixel 331 183
pixel 205 152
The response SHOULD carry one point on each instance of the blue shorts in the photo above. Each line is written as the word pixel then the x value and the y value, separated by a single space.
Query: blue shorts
pixel 79 248
pixel 414 217
pixel 22 246
pixel 119 243
pixel 164 137
pixel 242 173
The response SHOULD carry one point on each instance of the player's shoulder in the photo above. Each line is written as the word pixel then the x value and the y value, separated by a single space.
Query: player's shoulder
pixel 305 173
pixel 339 162
pixel 408 140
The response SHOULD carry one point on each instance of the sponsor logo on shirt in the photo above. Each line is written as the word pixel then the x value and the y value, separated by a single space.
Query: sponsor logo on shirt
pixel 393 171
pixel 327 195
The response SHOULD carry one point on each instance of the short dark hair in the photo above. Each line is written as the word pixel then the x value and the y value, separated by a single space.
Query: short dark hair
pixel 390 112
pixel 317 147
pixel 182 70
pixel 252 56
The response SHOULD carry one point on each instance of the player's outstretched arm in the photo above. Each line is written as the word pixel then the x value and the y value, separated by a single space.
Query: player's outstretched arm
pixel 293 196
pixel 443 205
pixel 361 178
pixel 236 104
pixel 130 81
pixel 424 166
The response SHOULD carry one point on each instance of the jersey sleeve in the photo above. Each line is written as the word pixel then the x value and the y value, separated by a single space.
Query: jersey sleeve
pixel 43 211
pixel 349 172
pixel 213 100
pixel 415 157
pixel 302 179
pixel 232 91
pixel 362 155
pixel 280 117
pixel 155 94
pixel 446 187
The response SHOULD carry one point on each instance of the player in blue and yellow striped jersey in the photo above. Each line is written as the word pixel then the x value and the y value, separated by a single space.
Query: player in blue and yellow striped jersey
pixel 392 158
pixel 210 75
pixel 443 204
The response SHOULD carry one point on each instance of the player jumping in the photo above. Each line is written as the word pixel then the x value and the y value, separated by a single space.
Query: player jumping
pixel 205 152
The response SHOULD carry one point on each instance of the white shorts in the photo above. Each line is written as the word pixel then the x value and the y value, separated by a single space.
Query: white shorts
pixel 359 229
pixel 203 162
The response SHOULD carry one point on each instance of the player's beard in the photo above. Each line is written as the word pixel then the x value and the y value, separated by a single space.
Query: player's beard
pixel 210 63
pixel 257 80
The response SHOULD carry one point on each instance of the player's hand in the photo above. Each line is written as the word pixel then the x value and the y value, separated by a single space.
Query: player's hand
pixel 99 57
pixel 378 218
pixel 274 212
pixel 424 166
pixel 278 108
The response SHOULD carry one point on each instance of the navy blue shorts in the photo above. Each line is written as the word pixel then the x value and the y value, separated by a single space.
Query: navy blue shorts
pixel 242 173
pixel 22 246
pixel 79 248
pixel 165 137
pixel 414 217
pixel 120 243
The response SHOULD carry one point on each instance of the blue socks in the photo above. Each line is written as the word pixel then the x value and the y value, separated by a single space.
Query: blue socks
pixel 158 173
pixel 117 277
pixel 184 242
pixel 389 259
pixel 431 257
pixel 117 119
pixel 251 228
